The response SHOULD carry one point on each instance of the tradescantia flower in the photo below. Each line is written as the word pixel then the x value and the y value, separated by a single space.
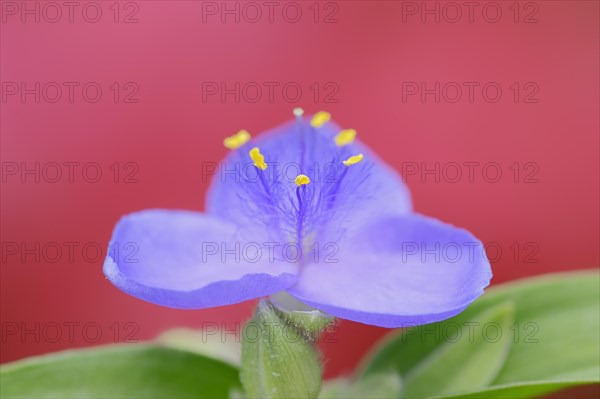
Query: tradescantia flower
pixel 311 189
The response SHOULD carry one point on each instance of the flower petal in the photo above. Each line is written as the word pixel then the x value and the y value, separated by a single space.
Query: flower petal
pixel 179 259
pixel 340 198
pixel 398 272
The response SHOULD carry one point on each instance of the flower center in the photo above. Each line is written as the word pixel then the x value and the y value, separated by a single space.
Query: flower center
pixel 302 214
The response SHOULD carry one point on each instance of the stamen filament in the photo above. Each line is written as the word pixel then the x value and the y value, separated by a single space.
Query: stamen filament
pixel 299 227
pixel 301 182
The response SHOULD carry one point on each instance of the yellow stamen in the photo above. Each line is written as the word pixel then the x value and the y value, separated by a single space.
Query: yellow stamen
pixel 237 140
pixel 301 180
pixel 345 137
pixel 258 158
pixel 353 159
pixel 320 118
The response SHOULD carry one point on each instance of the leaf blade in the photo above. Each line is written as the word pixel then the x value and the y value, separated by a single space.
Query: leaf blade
pixel 563 341
pixel 141 370
pixel 480 358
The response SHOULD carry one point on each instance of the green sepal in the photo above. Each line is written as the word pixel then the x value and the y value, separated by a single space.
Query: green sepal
pixel 309 321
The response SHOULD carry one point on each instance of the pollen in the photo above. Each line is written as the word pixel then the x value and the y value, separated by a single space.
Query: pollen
pixel 345 137
pixel 298 112
pixel 320 118
pixel 237 140
pixel 301 180
pixel 353 160
pixel 258 158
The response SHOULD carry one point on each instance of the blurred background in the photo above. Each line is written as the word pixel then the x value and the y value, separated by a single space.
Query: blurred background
pixel 490 111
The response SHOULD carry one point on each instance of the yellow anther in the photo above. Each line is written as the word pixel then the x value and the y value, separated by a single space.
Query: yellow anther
pixel 298 112
pixel 353 159
pixel 320 118
pixel 237 140
pixel 301 180
pixel 258 158
pixel 345 137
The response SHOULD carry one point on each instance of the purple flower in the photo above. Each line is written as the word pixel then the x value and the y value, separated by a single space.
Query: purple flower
pixel 307 209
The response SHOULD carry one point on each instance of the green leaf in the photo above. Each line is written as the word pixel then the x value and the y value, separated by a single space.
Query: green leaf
pixel 213 343
pixel 140 371
pixel 555 334
pixel 479 356
pixel 375 386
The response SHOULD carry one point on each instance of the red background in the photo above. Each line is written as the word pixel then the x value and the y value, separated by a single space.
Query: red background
pixel 550 211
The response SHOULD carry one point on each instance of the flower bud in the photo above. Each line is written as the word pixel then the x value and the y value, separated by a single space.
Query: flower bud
pixel 277 361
